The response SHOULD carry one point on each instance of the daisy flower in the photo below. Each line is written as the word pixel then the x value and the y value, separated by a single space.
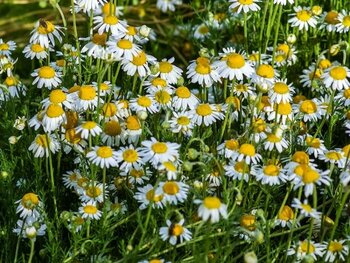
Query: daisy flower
pixel 155 84
pixel 233 65
pixel 73 141
pixel 281 112
pixel 6 48
pixel 163 98
pixel 182 122
pixel 168 71
pixel 248 154
pixel 211 207
pixel 305 209
pixel 149 195
pixel 207 114
pixel 89 128
pixel 59 97
pixel 201 32
pixel 312 177
pixel 45 33
pixel 238 170
pixel 201 71
pixel 258 129
pixel 168 5
pixel 306 248
pixel 175 232
pixel 283 2
pixel 110 23
pixel 103 156
pixel 137 176
pixel 229 148
pixel 336 77
pixel 43 144
pixel 303 18
pixel 281 92
pixel 309 110
pixel 129 158
pixel 314 145
pixel 138 64
pixel 174 191
pixel 335 157
pixel 214 178
pixel 133 129
pixel 89 210
pixel 113 133
pixel 343 97
pixel 29 205
pixel 47 77
pixel 277 142
pixel 311 77
pixel 96 45
pixel 87 98
pixel 30 227
pixel 245 5
pixel 144 103
pixel 270 174
pixel 285 217
pixel 158 152
pixel 264 76
pixel 242 89
pixel 93 192
pixel 53 118
pixel 104 88
pixel 90 5
pixel 336 250
pixel 329 20
pixel 343 24
pixel 123 48
pixel 70 178
pixel 35 51
pixel 15 87
pixel 36 120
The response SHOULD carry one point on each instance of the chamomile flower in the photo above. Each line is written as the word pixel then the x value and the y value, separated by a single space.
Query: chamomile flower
pixel 148 195
pixel 87 98
pixel 211 207
pixel 334 156
pixel 53 118
pixel 93 192
pixel 43 144
pixel 90 5
pixel 174 191
pixel 96 45
pixel 336 250
pixel 238 170
pixel 133 129
pixel 245 5
pixel 144 103
pixel 343 25
pixel 311 77
pixel 274 141
pixel 314 145
pixel 214 178
pixel 103 156
pixel 46 77
pixel 155 84
pixel 138 64
pixel 29 205
pixel 123 48
pixel 201 71
pixel 309 110
pixel 59 97
pixel 283 2
pixel 137 176
pixel 30 227
pixel 158 152
pixel 168 71
pixel 242 89
pixel 306 248
pixel 248 154
pixel 89 128
pixel 175 232
pixel 6 48
pixel 45 33
pixel 15 87
pixel 207 114
pixel 182 123
pixel 329 20
pixel 89 210
pixel 70 178
pixel 129 158
pixel 270 174
pixel 233 65
pixel 36 120
pixel 170 169
pixel 305 209
pixel 229 148
pixel 281 92
pixel 201 32
pixel 109 23
pixel 281 112
pixel 336 77
pixel 73 141
pixel 312 177
pixel 35 51
pixel 113 133
pixel 303 18
pixel 264 76
pixel 285 217
pixel 168 5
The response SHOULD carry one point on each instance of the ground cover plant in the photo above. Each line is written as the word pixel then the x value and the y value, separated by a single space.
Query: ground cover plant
pixel 175 131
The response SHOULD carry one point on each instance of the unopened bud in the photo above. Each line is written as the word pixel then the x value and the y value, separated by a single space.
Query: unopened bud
pixel 250 257
pixel 142 115
pixel 144 31
pixel 187 166
pixel 316 10
pixel 192 154
pixel 334 50
pixel 14 139
pixel 291 39
pixel 31 232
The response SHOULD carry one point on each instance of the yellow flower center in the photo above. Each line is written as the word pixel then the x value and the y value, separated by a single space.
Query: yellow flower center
pixel 241 87
pixel 93 191
pixel 107 8
pixel 281 88
pixel 310 176
pixel 233 101
pixel 112 128
pixel 338 73
pixel 74 89
pixel 89 125
pixel 124 44
pixel 235 61
pixel 151 196
pixel 240 167
pixel 306 207
pixel 301 169
pixel 284 108
pixel 259 125
pixel 137 173
pixel 90 209
pixel 247 149
pixel 203 30
pixel 57 96
pixel 159 82
pixel 162 97
pixel 183 120
pixel 300 157
pixel 73 177
pixel 82 182
pixel 265 71
pixel 286 214
pixel 104 152
pixel 346 21
pixel 144 101
pixel 79 221
pixel 37 48
pixel 280 57
pixel 11 81
pixel 271 170
pixel 248 222
pixel 307 247
pixel 335 247
pixel 54 111
pixel 313 142
pixel 46 72
pixel 165 67
pixel 109 109
pixel 254 57
pixel 159 147
pixel 171 188
pixel 347 93
pixel 130 156
pixel 332 18
pixel 170 166
pixel 110 20
pixel 72 137
pixel 304 15
pixel 60 63
pixel 131 30
pixel 334 155
pixel 308 106
pixel 212 202
pixel 177 230
pixel 45 27
pixel 99 39
pixel 273 138
pixel 4 46
pixel 132 123
pixel 232 144
pixel 30 201
pixel 183 92
pixel 140 59
pixel 219 16
pixel 284 48
pixel 87 92
pixel 203 66
pixel 42 140
pixel 324 64
pixel 72 120
pixel 204 110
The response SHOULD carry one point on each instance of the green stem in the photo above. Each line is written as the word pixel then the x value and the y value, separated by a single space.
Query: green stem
pixel 75 31
pixel 104 184
pixel 339 212
pixel 32 244
pixel 52 178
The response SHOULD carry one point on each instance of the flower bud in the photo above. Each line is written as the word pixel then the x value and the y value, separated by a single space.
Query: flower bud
pixel 198 185
pixel 259 236
pixel 4 175
pixel 13 139
pixel 192 154
pixel 31 232
pixel 142 115
pixel 187 166
pixel 334 49
pixel 316 10
pixel 250 257
pixel 291 39
pixel 144 31
pixel 308 259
